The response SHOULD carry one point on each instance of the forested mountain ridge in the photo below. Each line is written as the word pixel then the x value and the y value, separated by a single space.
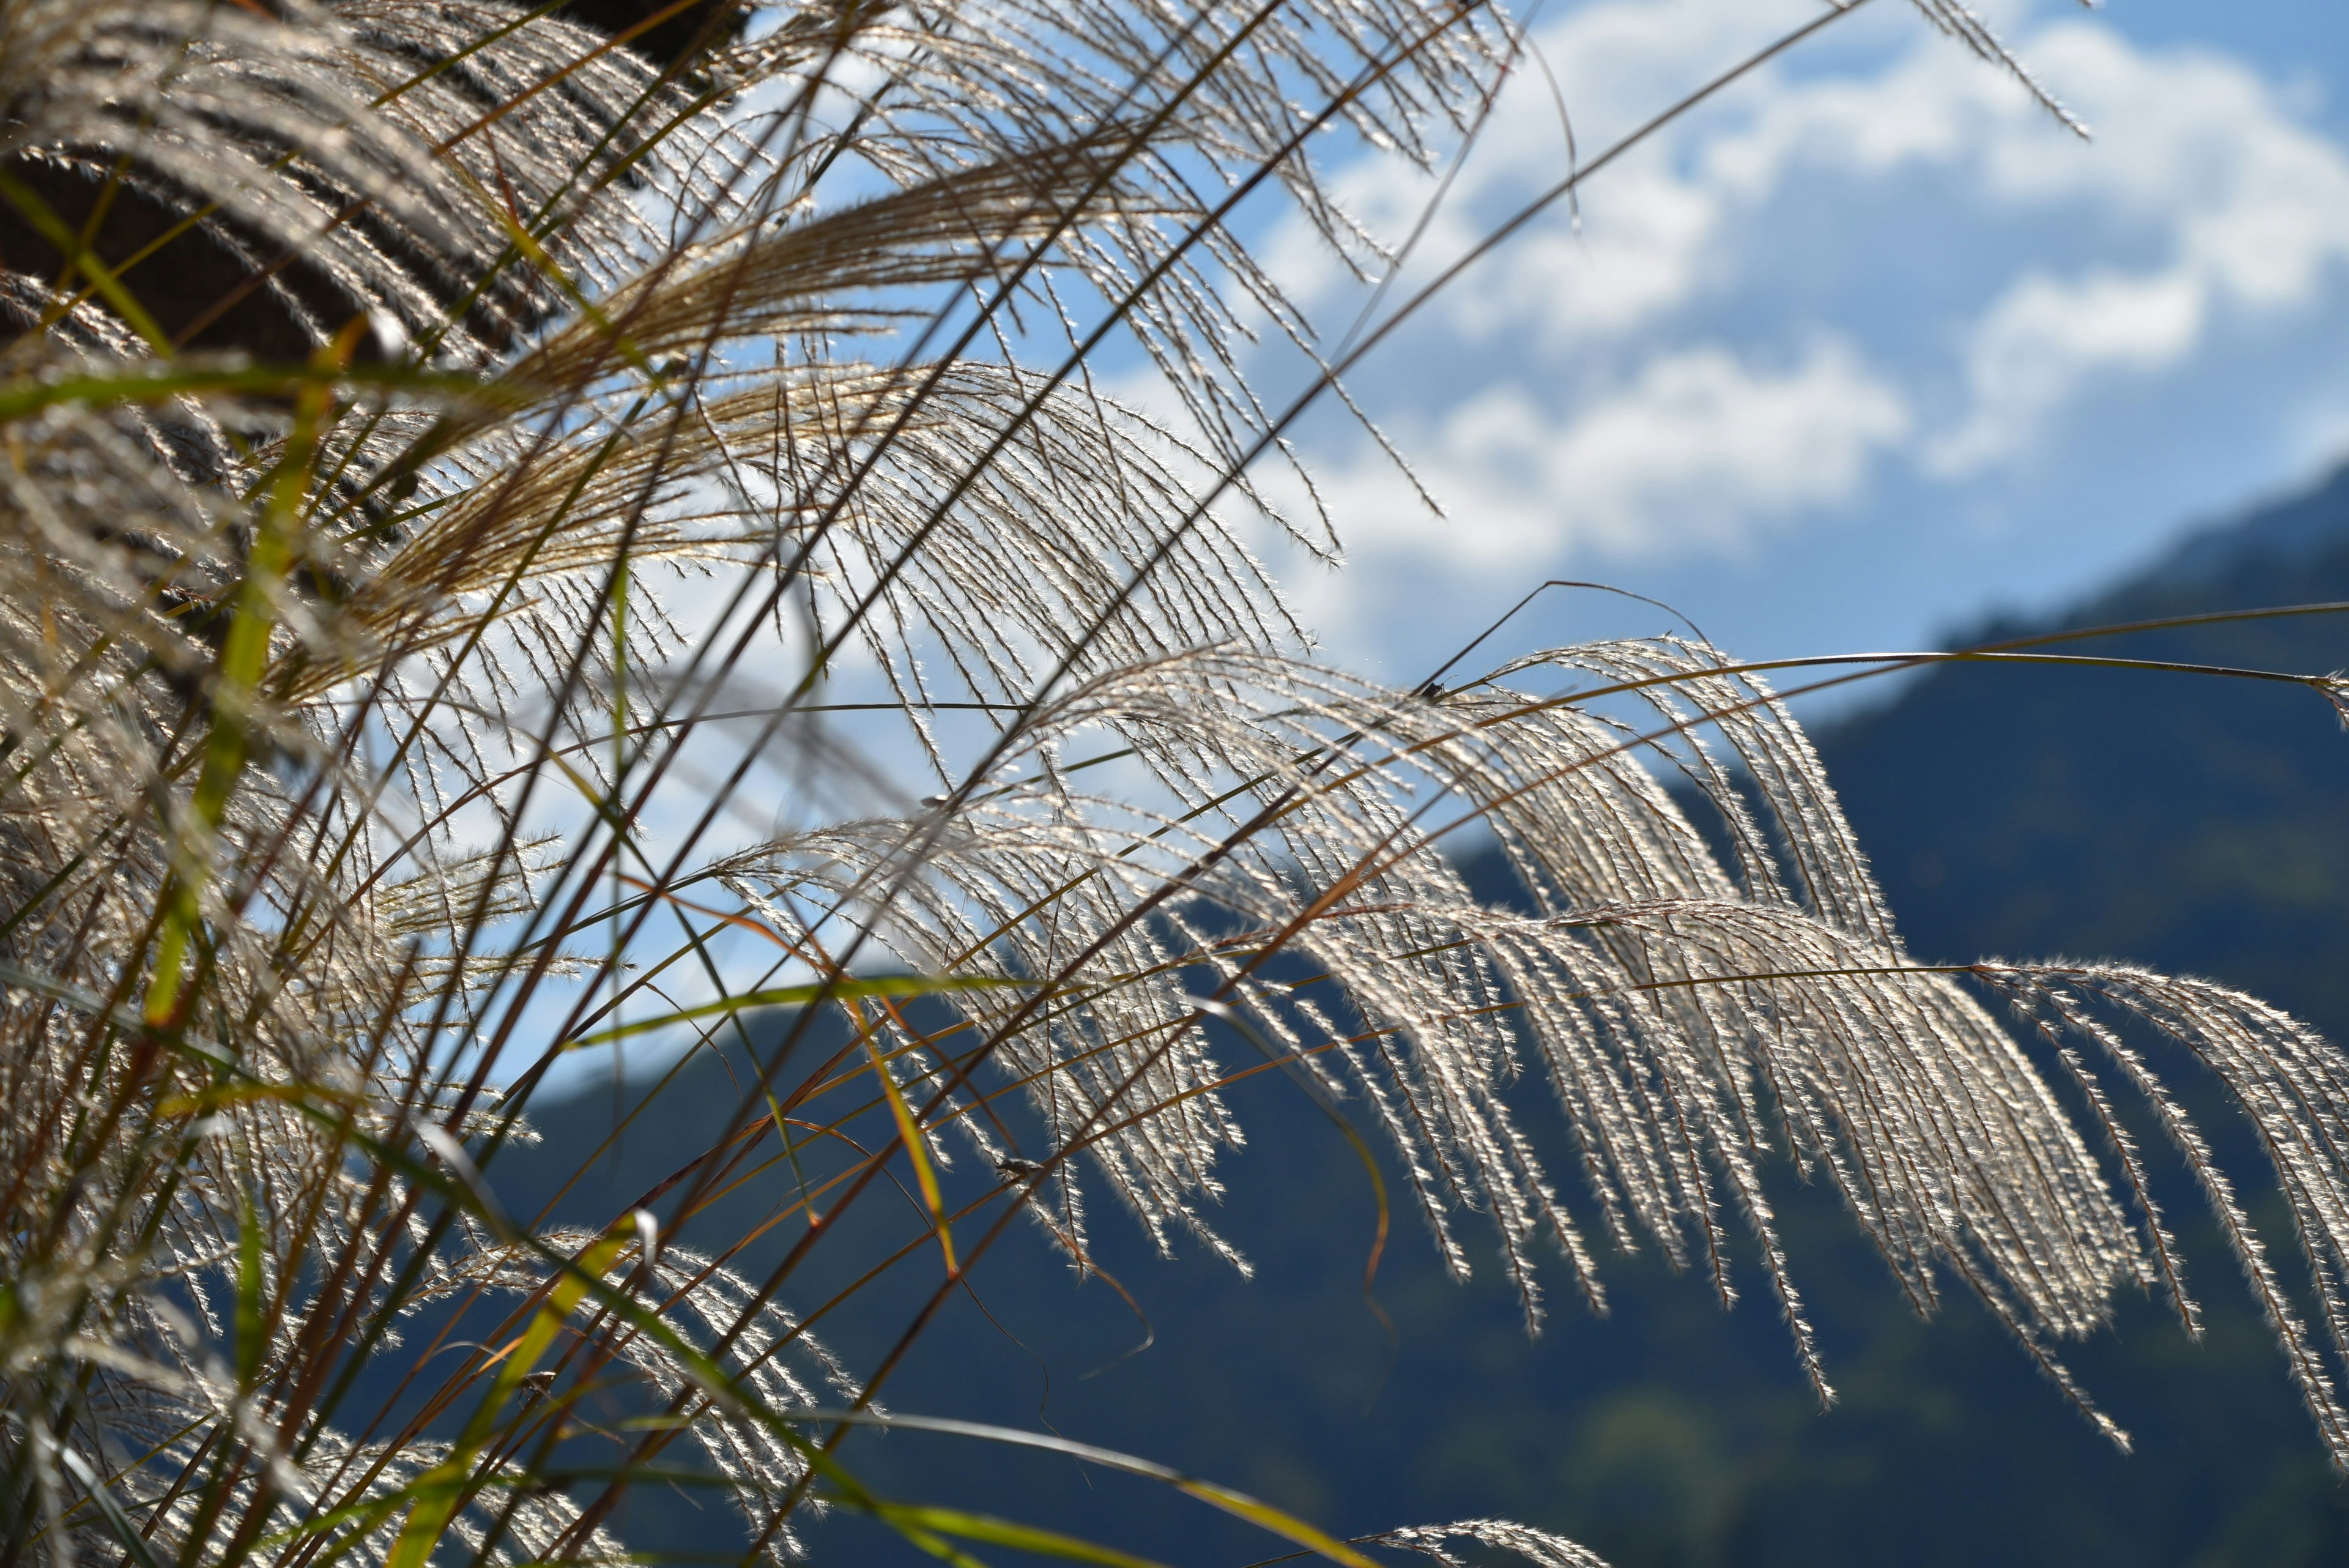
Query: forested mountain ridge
pixel 2188 823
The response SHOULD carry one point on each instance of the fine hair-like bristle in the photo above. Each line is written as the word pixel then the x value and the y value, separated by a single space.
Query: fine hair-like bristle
pixel 491 521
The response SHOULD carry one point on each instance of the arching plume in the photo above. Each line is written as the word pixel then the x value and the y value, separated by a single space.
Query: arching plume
pixel 512 541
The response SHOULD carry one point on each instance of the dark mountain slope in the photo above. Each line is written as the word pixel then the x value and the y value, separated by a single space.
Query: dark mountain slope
pixel 2188 823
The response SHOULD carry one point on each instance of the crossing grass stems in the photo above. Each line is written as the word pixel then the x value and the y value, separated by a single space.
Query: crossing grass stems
pixel 518 537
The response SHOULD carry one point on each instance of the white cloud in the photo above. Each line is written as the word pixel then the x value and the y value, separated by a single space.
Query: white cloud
pixel 2037 347
pixel 2247 211
pixel 2207 204
pixel 1643 245
pixel 2198 163
pixel 1695 451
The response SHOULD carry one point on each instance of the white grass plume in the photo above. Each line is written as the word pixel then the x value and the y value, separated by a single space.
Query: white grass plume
pixel 352 741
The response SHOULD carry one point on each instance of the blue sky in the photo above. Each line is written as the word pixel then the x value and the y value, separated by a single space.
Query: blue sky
pixel 1868 347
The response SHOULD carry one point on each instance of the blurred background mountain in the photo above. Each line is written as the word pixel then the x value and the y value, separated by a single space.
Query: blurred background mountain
pixel 2187 822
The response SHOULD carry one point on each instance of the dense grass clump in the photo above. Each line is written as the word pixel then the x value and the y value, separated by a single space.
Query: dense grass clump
pixel 515 538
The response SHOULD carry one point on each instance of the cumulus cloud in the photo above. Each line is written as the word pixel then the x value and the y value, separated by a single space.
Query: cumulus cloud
pixel 1679 407
pixel 2034 350
pixel 1695 451
pixel 2245 211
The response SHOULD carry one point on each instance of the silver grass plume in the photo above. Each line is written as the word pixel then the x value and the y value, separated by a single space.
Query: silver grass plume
pixel 453 464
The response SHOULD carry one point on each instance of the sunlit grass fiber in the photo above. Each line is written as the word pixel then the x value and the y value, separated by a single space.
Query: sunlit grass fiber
pixel 519 543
